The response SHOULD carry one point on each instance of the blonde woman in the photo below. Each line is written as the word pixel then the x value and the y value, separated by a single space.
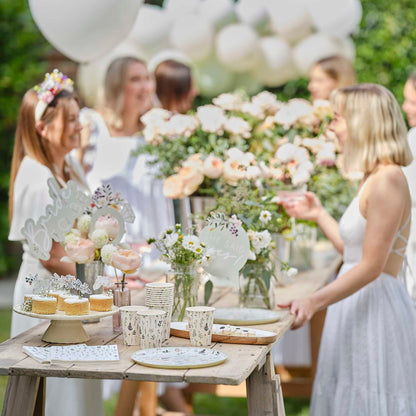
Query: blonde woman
pixel 366 363
pixel 328 74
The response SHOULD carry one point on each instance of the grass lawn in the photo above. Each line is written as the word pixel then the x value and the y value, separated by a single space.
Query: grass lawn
pixel 205 404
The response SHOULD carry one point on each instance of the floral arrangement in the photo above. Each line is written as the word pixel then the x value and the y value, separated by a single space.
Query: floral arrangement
pixel 184 253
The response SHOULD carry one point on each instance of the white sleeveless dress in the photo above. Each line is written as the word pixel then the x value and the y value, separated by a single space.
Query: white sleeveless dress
pixel 367 363
pixel 66 397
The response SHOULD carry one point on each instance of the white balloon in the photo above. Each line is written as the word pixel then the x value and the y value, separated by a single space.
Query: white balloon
pixel 90 77
pixel 165 55
pixel 84 30
pixel 237 47
pixel 312 49
pixel 193 35
pixel 247 82
pixel 151 29
pixel 346 48
pixel 277 67
pixel 253 13
pixel 177 8
pixel 290 19
pixel 213 79
pixel 338 18
pixel 218 12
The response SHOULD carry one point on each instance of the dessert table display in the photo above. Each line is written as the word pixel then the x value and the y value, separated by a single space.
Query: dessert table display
pixel 252 363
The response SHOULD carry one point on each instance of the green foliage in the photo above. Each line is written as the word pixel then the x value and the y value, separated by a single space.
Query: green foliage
pixel 23 63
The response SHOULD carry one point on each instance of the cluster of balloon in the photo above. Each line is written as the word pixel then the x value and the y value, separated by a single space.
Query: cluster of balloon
pixel 243 44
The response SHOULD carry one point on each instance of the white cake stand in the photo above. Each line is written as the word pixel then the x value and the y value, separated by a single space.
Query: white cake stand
pixel 65 329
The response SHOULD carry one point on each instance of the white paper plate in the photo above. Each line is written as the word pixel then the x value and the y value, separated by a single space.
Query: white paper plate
pixel 245 316
pixel 179 357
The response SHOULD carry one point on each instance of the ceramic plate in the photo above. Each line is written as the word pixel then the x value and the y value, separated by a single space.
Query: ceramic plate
pixel 60 315
pixel 179 357
pixel 245 316
pixel 242 336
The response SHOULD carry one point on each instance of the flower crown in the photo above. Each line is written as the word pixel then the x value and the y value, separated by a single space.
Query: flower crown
pixel 53 84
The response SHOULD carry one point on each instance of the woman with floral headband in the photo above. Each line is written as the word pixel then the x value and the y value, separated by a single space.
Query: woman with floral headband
pixel 47 130
pixel 366 359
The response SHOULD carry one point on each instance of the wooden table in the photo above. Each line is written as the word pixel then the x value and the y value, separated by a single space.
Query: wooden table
pixel 252 363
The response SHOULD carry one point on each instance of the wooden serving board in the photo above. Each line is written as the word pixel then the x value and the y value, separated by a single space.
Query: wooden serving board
pixel 178 329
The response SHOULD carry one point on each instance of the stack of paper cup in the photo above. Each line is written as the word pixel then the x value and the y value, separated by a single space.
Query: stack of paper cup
pixel 160 296
pixel 151 327
pixel 130 323
pixel 200 322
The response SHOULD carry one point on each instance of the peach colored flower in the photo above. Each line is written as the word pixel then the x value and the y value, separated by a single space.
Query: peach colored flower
pixel 81 251
pixel 213 167
pixel 233 171
pixel 109 224
pixel 192 178
pixel 127 261
pixel 173 187
pixel 194 161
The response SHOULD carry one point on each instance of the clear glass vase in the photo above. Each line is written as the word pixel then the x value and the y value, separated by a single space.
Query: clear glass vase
pixel 302 246
pixel 122 297
pixel 255 286
pixel 186 280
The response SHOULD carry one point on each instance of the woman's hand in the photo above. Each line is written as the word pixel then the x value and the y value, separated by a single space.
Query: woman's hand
pixel 304 206
pixel 303 309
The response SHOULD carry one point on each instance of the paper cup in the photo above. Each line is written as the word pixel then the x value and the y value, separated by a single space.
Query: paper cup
pixel 130 323
pixel 200 321
pixel 151 327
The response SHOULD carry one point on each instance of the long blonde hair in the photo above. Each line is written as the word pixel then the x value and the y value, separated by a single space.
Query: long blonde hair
pixel 114 84
pixel 376 129
pixel 28 142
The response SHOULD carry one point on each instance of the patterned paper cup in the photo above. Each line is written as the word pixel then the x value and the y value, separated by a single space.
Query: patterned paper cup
pixel 200 321
pixel 130 323
pixel 151 327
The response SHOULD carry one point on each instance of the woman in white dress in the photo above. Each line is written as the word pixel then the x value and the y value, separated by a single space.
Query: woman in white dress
pixel 46 133
pixel 366 362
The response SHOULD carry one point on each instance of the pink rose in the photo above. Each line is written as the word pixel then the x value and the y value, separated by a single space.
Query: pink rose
pixel 109 224
pixel 173 187
pixel 81 251
pixel 213 167
pixel 127 261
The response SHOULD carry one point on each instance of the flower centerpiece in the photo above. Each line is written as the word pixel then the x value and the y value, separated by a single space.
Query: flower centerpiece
pixel 184 253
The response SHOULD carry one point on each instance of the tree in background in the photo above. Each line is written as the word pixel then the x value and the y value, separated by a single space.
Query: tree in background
pixel 23 52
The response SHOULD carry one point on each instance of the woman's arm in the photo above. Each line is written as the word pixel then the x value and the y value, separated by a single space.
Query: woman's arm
pixel 54 264
pixel 386 204
pixel 310 208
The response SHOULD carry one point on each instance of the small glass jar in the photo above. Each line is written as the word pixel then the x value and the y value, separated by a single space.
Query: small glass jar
pixel 255 286
pixel 186 280
pixel 122 297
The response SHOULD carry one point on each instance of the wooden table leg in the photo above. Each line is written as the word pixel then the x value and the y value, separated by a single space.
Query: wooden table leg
pixel 264 391
pixel 21 396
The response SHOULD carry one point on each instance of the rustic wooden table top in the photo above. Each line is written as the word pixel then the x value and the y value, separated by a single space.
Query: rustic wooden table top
pixel 242 359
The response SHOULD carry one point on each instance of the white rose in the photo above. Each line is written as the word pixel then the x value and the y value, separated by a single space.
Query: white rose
pixel 230 102
pixel 212 118
pixel 236 126
pixel 107 252
pixel 295 109
pixel 72 236
pixel 267 102
pixel 83 224
pixel 152 134
pixel 325 157
pixel 99 238
pixel 301 154
pixel 181 125
pixel 286 152
pixel 155 115
pixel 300 177
pixel 244 158
pixel 213 167
pixel 195 161
pixel 253 172
pixel 254 110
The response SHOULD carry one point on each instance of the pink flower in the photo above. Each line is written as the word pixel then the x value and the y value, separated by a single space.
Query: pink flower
pixel 126 260
pixel 213 167
pixel 109 224
pixel 81 251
